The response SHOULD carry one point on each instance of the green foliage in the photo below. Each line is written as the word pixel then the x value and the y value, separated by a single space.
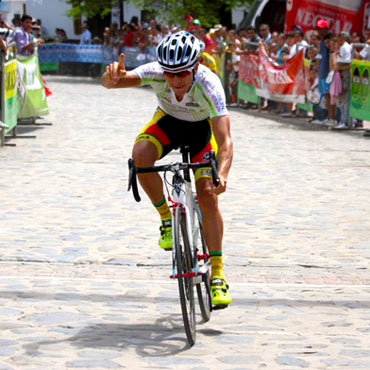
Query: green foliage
pixel 88 8
pixel 170 11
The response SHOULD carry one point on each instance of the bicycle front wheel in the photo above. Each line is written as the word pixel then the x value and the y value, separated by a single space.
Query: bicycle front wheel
pixel 184 262
pixel 203 288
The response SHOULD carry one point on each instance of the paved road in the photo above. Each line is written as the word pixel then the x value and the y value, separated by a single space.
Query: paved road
pixel 83 284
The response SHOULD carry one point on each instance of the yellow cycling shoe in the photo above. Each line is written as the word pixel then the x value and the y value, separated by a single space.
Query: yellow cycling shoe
pixel 221 296
pixel 165 240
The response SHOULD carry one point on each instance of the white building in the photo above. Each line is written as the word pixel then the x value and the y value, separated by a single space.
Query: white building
pixel 53 13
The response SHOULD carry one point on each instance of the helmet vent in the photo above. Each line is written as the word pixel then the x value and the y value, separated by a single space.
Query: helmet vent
pixel 171 54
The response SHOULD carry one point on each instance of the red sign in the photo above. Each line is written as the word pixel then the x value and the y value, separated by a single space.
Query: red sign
pixel 342 15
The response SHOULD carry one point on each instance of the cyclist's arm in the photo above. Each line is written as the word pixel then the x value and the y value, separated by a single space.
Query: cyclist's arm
pixel 221 131
pixel 116 76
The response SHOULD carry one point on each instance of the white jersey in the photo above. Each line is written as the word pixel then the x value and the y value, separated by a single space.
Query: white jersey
pixel 205 99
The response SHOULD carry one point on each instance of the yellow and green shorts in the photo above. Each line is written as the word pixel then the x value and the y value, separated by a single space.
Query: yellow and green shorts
pixel 168 133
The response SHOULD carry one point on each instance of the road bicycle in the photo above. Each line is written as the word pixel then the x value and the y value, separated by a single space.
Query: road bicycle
pixel 190 257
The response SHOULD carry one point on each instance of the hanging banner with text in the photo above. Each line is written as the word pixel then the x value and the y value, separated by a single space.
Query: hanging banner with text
pixel 360 93
pixel 283 83
pixel 31 88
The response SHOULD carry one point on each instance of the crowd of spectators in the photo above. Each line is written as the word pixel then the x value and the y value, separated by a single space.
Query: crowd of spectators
pixel 330 55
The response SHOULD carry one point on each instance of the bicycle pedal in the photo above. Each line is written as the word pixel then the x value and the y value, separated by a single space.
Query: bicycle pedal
pixel 219 307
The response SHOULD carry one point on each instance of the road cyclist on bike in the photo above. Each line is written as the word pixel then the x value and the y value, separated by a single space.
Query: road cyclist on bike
pixel 192 111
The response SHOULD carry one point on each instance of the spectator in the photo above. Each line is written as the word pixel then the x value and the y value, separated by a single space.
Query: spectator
pixel 3 46
pixel 197 24
pixel 202 35
pixel 63 35
pixel 233 67
pixel 274 36
pixel 207 59
pixel 282 45
pixel 16 21
pixel 299 43
pixel 130 38
pixel 323 57
pixel 265 32
pixel 335 82
pixel 145 40
pixel 364 53
pixel 314 97
pixel 26 44
pixel 250 46
pixel 314 39
pixel 189 23
pixel 5 24
pixel 156 35
pixel 165 31
pixel 232 37
pixel 85 35
pixel 43 31
pixel 106 37
pixel 343 65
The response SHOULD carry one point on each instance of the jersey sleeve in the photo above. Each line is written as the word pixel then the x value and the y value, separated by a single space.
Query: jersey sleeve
pixel 213 94
pixel 149 73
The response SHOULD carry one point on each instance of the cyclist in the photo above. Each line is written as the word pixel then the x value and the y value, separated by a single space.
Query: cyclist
pixel 192 111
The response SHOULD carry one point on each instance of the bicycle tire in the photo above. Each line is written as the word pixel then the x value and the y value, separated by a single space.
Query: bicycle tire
pixel 203 288
pixel 184 265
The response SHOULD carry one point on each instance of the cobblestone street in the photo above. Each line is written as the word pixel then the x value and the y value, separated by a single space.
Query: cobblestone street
pixel 83 283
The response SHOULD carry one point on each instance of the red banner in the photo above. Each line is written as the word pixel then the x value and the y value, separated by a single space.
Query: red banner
pixel 283 82
pixel 248 69
pixel 342 15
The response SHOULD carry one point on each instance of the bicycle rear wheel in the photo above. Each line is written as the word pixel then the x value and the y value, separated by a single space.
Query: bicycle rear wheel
pixel 203 288
pixel 184 262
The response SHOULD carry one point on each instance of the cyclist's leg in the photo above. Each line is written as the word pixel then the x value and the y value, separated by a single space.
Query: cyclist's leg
pixel 212 225
pixel 152 144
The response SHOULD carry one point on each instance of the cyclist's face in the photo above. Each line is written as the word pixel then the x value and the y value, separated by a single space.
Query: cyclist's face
pixel 180 82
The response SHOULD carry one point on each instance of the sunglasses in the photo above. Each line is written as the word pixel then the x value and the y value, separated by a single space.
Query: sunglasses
pixel 182 74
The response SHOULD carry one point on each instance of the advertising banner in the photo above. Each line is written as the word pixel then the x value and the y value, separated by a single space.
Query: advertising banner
pixel 342 15
pixel 283 83
pixel 360 93
pixel 10 94
pixel 248 78
pixel 31 88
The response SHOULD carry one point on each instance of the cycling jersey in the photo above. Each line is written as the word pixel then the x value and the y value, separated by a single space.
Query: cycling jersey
pixel 205 99
pixel 209 61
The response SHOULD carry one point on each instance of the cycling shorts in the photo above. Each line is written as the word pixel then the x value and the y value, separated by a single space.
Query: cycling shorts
pixel 167 133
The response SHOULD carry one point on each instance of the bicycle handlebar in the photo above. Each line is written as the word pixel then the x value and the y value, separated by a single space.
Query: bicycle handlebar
pixel 173 167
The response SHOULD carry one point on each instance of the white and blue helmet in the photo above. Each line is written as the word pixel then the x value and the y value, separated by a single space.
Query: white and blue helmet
pixel 178 52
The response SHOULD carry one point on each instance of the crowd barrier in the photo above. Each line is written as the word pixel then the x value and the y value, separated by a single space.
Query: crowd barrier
pixel 22 91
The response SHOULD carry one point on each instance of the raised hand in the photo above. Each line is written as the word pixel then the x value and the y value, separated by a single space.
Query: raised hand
pixel 117 70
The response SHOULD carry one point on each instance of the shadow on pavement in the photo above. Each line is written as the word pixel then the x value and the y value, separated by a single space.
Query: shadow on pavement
pixel 166 337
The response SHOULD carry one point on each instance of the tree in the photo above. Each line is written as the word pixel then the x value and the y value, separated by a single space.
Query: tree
pixel 170 11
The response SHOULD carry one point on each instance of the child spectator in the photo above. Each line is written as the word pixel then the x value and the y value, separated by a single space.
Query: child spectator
pixel 343 65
